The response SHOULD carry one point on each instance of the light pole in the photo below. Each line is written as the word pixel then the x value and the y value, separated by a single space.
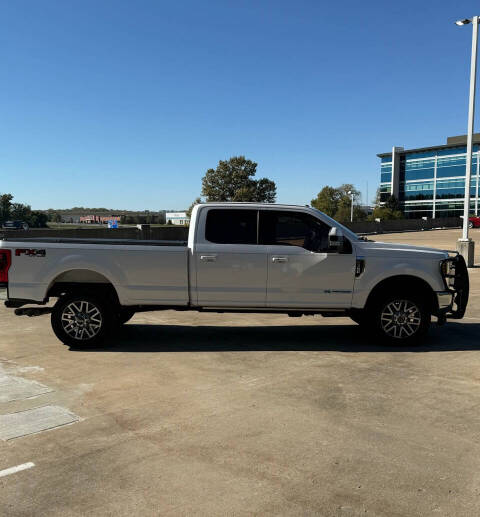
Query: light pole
pixel 465 246
pixel 350 193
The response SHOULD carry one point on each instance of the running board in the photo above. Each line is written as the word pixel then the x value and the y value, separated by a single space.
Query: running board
pixel 33 311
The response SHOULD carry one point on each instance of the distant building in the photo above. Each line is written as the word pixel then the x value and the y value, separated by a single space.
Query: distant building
pixel 430 181
pixel 98 219
pixel 179 218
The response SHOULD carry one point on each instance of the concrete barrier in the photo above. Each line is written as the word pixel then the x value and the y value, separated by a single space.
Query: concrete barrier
pixel 404 225
pixel 146 232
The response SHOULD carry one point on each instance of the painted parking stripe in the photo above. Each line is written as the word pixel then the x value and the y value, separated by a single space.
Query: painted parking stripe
pixel 18 468
pixel 31 421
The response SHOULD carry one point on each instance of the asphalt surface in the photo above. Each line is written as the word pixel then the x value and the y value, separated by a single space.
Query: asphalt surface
pixel 203 414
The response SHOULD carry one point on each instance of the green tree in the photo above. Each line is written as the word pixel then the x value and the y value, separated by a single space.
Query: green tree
pixel 389 209
pixel 384 213
pixel 392 203
pixel 197 201
pixel 327 201
pixel 337 202
pixel 5 206
pixel 19 212
pixel 37 219
pixel 232 180
pixel 347 194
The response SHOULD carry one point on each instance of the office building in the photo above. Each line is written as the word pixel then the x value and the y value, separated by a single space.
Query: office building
pixel 430 181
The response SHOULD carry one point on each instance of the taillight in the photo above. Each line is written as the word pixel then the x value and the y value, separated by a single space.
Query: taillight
pixel 5 262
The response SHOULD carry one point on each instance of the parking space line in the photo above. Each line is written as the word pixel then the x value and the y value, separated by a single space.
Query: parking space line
pixel 18 468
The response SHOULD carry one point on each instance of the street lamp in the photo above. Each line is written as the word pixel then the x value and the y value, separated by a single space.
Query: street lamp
pixel 350 193
pixel 465 246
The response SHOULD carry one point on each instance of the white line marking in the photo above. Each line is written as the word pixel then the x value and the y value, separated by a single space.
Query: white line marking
pixel 18 468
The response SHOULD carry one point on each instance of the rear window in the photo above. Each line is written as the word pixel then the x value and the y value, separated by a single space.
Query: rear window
pixel 227 226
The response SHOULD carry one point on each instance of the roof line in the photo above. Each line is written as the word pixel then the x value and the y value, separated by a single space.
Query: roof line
pixel 420 149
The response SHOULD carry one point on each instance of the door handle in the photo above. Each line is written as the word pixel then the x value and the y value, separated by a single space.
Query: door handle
pixel 208 258
pixel 280 260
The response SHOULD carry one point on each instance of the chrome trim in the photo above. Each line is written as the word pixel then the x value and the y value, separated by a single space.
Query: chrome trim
pixel 3 293
pixel 445 299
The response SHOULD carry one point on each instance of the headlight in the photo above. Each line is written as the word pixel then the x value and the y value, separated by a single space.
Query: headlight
pixel 447 269
pixel 444 267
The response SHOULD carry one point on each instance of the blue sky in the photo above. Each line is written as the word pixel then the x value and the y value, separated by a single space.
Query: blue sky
pixel 126 104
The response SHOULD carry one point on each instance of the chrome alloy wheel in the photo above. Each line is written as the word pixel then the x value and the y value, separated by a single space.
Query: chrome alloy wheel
pixel 400 319
pixel 81 320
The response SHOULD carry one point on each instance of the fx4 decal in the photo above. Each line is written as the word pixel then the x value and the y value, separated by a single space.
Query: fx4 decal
pixel 29 252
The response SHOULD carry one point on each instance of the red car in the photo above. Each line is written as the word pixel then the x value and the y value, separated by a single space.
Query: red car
pixel 474 222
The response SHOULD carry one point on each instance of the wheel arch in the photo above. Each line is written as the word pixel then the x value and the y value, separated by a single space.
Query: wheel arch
pixel 402 283
pixel 82 280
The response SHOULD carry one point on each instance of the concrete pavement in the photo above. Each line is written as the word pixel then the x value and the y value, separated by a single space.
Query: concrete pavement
pixel 204 414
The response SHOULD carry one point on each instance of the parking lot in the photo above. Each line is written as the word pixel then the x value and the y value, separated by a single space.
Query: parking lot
pixel 204 414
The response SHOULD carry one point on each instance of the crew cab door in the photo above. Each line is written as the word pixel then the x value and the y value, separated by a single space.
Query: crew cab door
pixel 302 271
pixel 231 267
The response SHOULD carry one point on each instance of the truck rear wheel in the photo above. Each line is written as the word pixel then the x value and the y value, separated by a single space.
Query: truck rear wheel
pixel 400 319
pixel 83 320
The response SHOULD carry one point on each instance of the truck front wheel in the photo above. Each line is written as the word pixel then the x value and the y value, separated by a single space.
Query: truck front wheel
pixel 83 320
pixel 400 319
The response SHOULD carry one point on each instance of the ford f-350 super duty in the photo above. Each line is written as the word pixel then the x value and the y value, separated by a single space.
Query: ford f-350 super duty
pixel 239 257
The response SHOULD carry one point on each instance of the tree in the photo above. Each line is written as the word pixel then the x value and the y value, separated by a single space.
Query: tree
pixel 232 180
pixel 5 206
pixel 19 212
pixel 197 201
pixel 392 203
pixel 37 219
pixel 384 213
pixel 337 202
pixel 327 201
pixel 389 209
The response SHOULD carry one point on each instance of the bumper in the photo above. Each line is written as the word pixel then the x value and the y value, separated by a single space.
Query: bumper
pixel 445 301
pixel 3 292
pixel 452 303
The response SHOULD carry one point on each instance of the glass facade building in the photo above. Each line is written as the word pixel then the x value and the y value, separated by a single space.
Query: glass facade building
pixel 430 181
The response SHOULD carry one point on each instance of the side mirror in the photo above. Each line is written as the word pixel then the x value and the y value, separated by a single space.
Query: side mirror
pixel 336 239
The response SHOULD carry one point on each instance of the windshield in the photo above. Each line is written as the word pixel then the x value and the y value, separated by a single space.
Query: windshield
pixel 348 233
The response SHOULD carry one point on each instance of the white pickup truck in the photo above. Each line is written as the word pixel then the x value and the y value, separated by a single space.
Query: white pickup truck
pixel 240 257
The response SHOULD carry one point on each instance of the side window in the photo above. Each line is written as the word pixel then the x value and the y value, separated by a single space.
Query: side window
pixel 231 226
pixel 293 229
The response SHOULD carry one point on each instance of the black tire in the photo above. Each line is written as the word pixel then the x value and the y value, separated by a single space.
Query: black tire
pixel 359 317
pixel 83 320
pixel 400 319
pixel 470 224
pixel 125 315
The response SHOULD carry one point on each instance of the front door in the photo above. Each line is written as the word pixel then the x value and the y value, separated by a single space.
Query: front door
pixel 302 271
pixel 231 267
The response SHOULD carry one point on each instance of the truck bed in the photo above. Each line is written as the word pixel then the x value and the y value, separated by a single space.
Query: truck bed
pixel 143 272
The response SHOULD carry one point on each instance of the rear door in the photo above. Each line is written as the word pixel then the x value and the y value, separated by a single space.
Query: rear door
pixel 302 271
pixel 231 267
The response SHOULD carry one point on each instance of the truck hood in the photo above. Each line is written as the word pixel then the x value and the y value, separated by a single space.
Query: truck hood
pixel 393 250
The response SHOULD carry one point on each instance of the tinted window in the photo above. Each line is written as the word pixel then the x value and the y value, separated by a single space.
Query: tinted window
pixel 293 229
pixel 227 226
